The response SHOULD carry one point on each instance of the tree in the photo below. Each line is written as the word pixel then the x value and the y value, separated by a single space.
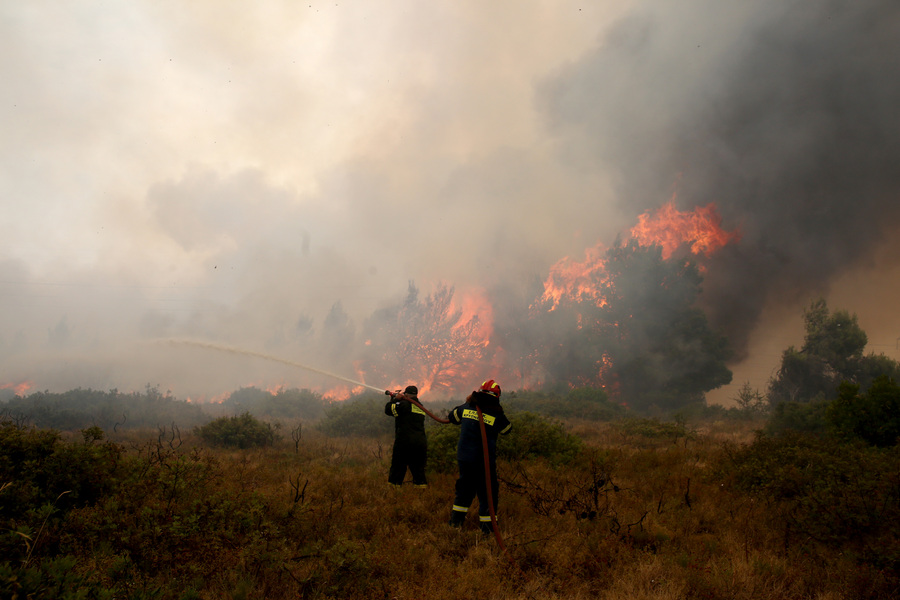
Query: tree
pixel 426 341
pixel 873 416
pixel 337 335
pixel 644 338
pixel 750 401
pixel 832 352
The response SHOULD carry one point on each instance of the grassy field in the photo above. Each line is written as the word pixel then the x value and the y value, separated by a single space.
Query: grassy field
pixel 645 510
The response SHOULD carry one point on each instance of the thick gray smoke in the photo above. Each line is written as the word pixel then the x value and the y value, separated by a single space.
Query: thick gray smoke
pixel 274 180
pixel 784 114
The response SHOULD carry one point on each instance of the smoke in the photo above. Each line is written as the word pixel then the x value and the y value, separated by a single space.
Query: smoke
pixel 781 113
pixel 274 179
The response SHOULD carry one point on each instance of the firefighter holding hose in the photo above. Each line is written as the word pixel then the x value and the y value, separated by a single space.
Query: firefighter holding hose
pixel 410 444
pixel 480 413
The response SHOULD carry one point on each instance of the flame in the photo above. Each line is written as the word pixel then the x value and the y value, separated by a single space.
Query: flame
pixel 443 343
pixel 476 309
pixel 671 228
pixel 20 389
pixel 577 280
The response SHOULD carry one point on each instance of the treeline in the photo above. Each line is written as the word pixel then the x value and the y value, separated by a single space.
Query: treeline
pixel 113 410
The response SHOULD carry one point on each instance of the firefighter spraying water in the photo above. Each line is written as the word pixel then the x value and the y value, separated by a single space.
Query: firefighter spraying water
pixel 481 419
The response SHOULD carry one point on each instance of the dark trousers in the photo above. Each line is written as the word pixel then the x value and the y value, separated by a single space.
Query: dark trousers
pixel 408 455
pixel 470 484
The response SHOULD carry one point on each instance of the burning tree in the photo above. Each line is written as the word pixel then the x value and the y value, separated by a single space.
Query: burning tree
pixel 633 327
pixel 431 342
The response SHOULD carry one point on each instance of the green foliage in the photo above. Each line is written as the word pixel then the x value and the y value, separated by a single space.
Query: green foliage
pixel 283 404
pixel 588 403
pixel 54 578
pixel 873 417
pixel 835 338
pixel 814 488
pixel 654 429
pixel 83 408
pixel 442 441
pixel 639 328
pixel 242 431
pixel 807 417
pixel 832 352
pixel 37 468
pixel 532 436
pixel 751 402
pixel 361 416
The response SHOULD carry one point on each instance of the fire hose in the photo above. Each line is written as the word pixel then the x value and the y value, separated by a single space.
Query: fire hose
pixel 487 464
pixel 487 461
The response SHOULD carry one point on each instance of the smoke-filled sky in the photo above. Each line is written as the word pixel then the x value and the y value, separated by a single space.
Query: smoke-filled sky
pixel 227 171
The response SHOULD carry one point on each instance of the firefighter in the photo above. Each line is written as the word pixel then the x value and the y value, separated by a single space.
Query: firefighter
pixel 470 452
pixel 410 444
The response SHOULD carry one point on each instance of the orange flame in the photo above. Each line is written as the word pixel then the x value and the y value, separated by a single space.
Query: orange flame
pixel 671 228
pixel 18 388
pixel 668 227
pixel 573 279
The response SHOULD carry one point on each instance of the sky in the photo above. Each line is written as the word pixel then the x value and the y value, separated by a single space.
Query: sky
pixel 228 171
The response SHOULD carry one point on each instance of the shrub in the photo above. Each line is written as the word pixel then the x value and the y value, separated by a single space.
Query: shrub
pixel 37 467
pixel 80 408
pixel 284 404
pixel 536 436
pixel 243 431
pixel 807 417
pixel 442 441
pixel 821 490
pixel 56 578
pixel 655 429
pixel 532 436
pixel 362 417
pixel 873 417
pixel 587 403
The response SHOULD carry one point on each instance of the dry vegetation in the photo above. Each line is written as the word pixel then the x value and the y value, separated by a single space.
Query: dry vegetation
pixel 642 512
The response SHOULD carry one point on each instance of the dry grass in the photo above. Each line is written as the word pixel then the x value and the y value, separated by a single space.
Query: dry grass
pixel 327 525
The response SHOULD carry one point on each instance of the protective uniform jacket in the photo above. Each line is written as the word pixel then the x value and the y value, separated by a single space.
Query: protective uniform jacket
pixel 469 448
pixel 409 420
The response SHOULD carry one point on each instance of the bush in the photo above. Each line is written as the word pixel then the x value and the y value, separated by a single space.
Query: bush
pixel 821 490
pixel 362 417
pixel 442 441
pixel 655 429
pixel 873 417
pixel 591 404
pixel 37 467
pixel 532 436
pixel 284 404
pixel 80 408
pixel 243 431
pixel 807 417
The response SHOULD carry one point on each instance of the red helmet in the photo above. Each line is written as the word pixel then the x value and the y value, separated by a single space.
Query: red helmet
pixel 491 387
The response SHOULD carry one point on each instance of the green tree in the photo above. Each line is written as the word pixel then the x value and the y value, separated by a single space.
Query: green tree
pixel 832 352
pixel 638 332
pixel 873 416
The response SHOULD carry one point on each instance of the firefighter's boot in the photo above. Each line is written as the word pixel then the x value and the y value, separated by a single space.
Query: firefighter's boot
pixel 457 517
pixel 486 527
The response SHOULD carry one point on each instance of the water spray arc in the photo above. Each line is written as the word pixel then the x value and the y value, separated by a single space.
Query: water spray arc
pixel 233 350
pixel 487 466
